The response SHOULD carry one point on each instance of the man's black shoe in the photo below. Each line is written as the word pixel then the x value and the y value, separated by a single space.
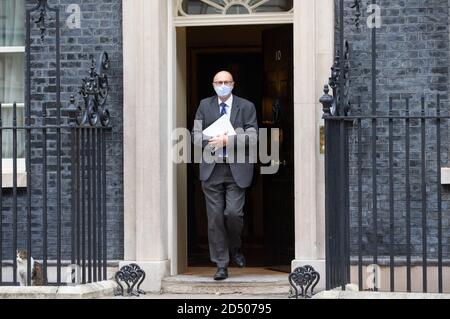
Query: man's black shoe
pixel 221 274
pixel 239 259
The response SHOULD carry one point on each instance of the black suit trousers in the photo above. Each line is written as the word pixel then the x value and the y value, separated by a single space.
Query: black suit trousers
pixel 225 208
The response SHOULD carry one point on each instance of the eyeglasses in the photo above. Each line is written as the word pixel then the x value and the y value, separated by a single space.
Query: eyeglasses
pixel 227 83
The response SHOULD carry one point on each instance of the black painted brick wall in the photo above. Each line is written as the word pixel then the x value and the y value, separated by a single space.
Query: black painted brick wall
pixel 412 61
pixel 101 30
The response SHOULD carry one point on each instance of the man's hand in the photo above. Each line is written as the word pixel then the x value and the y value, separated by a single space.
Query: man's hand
pixel 219 142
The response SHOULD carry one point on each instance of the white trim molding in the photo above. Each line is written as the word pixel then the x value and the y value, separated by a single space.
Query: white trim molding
pixel 445 175
pixel 11 105
pixel 20 49
pixel 8 173
pixel 183 19
pixel 245 19
pixel 7 164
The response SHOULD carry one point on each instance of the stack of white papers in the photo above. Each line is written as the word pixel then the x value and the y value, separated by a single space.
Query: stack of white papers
pixel 219 127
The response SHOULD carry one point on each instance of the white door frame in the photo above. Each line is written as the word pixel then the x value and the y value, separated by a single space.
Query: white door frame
pixel 177 92
pixel 312 61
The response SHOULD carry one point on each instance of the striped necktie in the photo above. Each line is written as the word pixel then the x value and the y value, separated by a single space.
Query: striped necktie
pixel 223 111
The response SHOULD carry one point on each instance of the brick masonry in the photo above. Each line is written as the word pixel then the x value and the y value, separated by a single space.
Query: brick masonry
pixel 413 58
pixel 101 30
pixel 412 61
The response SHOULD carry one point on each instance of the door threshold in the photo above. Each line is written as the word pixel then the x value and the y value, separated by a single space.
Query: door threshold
pixel 248 271
pixel 251 281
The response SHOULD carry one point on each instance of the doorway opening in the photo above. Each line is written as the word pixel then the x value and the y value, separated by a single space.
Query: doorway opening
pixel 260 57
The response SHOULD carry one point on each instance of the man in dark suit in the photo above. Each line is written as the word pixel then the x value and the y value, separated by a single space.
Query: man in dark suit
pixel 226 170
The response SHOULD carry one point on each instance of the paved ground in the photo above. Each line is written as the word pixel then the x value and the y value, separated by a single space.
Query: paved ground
pixel 193 297
pixel 336 294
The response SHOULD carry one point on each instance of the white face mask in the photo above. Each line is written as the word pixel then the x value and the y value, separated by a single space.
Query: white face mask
pixel 223 90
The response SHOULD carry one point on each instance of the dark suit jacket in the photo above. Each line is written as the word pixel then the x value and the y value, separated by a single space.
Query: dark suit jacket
pixel 242 149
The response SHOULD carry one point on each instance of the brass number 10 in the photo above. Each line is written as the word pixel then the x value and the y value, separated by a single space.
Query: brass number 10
pixel 278 55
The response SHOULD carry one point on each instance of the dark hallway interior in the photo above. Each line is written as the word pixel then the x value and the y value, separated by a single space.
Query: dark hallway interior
pixel 244 51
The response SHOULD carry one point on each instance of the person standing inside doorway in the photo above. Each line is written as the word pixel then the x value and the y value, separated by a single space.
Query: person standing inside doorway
pixel 228 172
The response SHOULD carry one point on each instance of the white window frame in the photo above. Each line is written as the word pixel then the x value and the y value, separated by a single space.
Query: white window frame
pixel 16 49
pixel 7 163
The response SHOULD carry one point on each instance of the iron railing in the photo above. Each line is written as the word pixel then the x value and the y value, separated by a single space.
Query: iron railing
pixel 59 218
pixel 386 206
pixel 403 168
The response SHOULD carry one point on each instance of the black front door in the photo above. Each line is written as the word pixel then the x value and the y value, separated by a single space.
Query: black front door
pixel 278 112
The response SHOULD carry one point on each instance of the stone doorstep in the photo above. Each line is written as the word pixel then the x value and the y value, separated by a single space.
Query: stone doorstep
pixel 202 286
pixel 88 291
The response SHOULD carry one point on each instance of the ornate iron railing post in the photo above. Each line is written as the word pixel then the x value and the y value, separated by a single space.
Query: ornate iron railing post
pixel 91 108
pixel 306 278
pixel 131 275
pixel 327 101
pixel 41 20
pixel 91 120
pixel 357 6
pixel 336 108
